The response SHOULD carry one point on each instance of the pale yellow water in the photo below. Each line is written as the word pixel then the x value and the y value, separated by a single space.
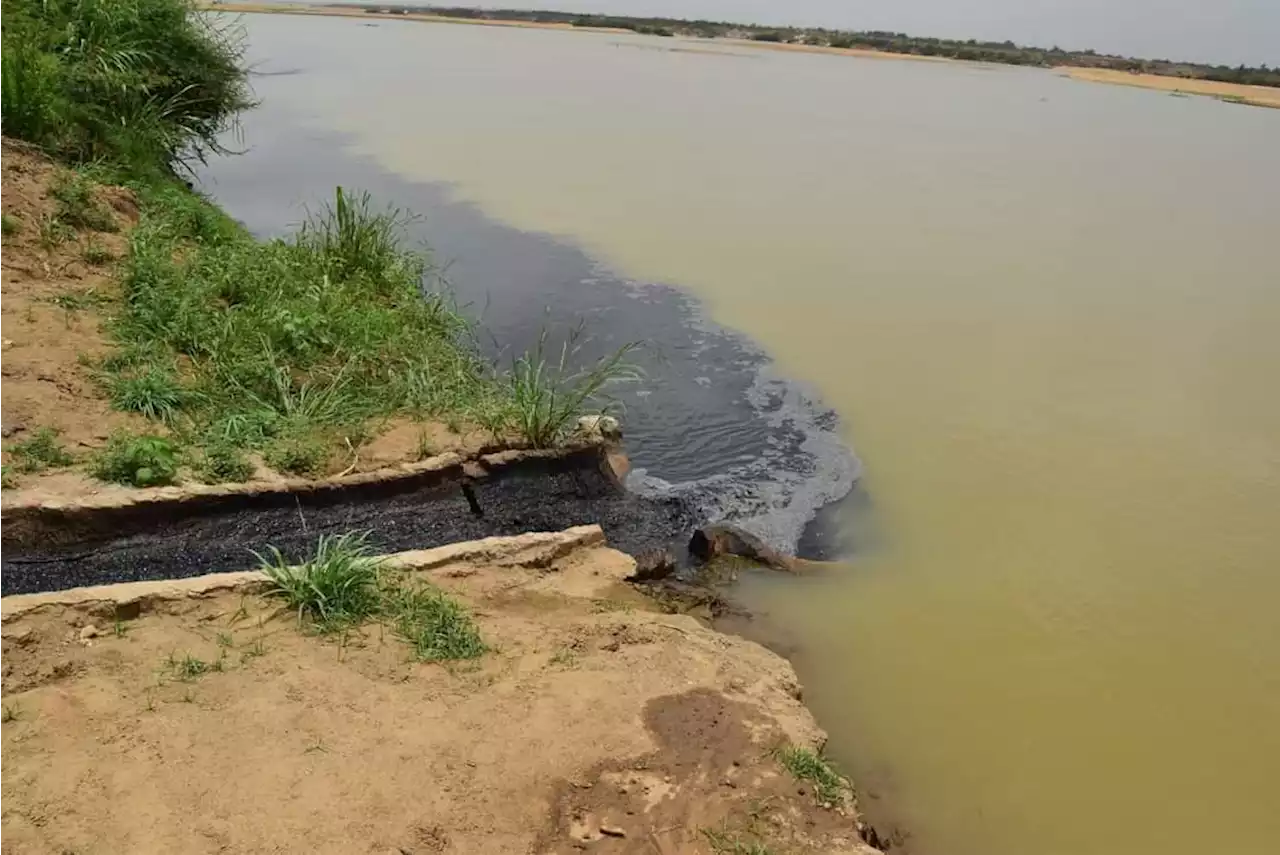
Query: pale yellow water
pixel 1049 315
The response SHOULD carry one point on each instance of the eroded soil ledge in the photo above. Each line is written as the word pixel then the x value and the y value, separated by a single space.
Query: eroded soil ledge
pixel 592 725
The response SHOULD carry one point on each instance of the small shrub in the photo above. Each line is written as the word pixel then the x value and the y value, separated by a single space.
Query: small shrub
pixel 434 624
pixel 42 451
pixel 807 765
pixel 10 225
pixel 137 461
pixel 8 480
pixel 224 463
pixel 336 588
pixel 156 394
pixel 77 206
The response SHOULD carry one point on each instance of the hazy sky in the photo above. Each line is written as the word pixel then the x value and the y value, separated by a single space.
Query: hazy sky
pixel 1230 31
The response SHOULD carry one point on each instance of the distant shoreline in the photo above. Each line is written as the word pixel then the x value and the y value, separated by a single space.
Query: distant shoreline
pixel 1236 93
pixel 771 39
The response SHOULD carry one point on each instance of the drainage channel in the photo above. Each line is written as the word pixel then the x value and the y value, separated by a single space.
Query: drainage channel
pixel 50 550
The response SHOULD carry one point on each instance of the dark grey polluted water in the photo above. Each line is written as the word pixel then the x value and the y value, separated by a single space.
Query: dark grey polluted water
pixel 710 420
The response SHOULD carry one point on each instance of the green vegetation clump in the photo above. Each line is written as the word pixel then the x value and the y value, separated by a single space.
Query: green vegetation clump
pixel 289 345
pixel 436 626
pixel 548 395
pixel 137 461
pixel 77 206
pixel 96 254
pixel 725 842
pixel 187 667
pixel 155 393
pixel 807 765
pixel 10 225
pixel 335 589
pixel 343 585
pixel 224 463
pixel 42 451
pixel 147 83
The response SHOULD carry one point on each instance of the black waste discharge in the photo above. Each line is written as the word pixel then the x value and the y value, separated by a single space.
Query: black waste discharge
pixel 180 540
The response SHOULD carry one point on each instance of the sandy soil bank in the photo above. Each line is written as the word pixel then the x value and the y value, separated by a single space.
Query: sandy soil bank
pixel 592 724
pixel 1258 96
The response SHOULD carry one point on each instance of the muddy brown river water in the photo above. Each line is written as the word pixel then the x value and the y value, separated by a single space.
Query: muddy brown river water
pixel 1047 314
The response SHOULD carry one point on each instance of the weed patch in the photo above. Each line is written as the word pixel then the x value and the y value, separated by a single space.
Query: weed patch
pixel 336 589
pixel 42 451
pixel 137 461
pixel 187 667
pixel 288 345
pixel 77 206
pixel 74 300
pixel 154 393
pixel 96 253
pixel 548 394
pixel 725 842
pixel 807 765
pixel 224 464
pixel 343 585
pixel 435 625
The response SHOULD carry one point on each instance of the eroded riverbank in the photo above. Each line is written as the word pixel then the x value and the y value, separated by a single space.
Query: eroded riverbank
pixel 591 722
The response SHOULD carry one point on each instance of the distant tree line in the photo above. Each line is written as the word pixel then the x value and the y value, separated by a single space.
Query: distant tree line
pixel 1006 52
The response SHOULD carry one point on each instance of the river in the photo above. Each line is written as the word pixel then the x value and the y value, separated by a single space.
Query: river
pixel 1045 312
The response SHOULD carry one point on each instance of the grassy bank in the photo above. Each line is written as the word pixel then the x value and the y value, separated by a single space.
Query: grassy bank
pixel 235 352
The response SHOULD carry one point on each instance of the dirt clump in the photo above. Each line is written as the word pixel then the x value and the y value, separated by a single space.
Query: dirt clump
pixel 207 722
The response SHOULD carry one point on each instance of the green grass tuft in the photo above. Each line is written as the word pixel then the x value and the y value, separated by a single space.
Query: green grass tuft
pixel 96 253
pixel 435 625
pixel 548 396
pixel 77 206
pixel 42 451
pixel 75 300
pixel 343 585
pixel 724 842
pixel 807 765
pixel 223 463
pixel 10 225
pixel 187 667
pixel 137 461
pixel 53 232
pixel 155 393
pixel 298 454
pixel 337 588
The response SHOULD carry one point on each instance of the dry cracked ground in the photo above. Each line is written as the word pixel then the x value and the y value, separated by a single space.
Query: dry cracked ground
pixel 593 724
